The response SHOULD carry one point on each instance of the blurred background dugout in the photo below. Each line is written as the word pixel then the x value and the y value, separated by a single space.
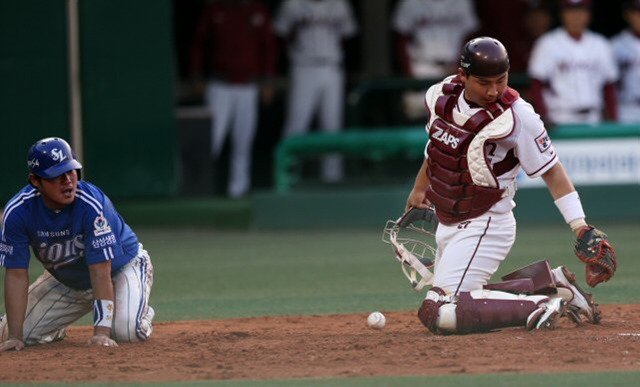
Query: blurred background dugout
pixel 114 75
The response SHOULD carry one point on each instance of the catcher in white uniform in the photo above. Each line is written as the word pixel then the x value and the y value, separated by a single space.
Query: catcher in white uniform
pixel 626 49
pixel 314 30
pixel 480 134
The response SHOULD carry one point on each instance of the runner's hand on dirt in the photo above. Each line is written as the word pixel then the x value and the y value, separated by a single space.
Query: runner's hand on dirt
pixel 10 344
pixel 102 340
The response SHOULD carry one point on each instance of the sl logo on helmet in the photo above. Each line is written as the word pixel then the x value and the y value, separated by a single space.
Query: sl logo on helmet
pixel 33 163
pixel 58 155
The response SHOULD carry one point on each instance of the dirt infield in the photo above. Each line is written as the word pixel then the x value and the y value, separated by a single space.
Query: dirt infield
pixel 330 346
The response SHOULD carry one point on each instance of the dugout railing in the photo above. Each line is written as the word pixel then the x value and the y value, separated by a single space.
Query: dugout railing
pixel 381 143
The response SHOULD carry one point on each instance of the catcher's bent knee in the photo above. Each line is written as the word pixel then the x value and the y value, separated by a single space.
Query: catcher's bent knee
pixel 435 313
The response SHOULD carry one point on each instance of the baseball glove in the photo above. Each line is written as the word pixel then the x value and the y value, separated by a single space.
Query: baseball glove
pixel 594 249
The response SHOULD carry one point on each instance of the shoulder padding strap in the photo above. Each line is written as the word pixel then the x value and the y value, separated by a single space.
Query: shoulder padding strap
pixel 444 106
pixel 509 97
pixel 477 121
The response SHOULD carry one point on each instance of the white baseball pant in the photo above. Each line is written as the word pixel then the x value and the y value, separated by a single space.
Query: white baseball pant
pixel 234 107
pixel 52 306
pixel 470 252
pixel 317 88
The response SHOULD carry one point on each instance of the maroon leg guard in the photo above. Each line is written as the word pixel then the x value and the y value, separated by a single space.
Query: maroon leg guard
pixel 515 286
pixel 428 312
pixel 540 273
pixel 484 315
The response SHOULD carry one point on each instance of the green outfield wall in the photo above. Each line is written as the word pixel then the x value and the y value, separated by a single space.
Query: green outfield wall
pixel 127 72
pixel 34 101
pixel 373 207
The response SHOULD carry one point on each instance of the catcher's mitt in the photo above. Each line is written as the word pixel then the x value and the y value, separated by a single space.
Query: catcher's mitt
pixel 594 249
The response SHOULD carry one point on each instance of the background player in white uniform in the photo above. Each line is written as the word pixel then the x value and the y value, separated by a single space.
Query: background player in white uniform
pixel 475 118
pixel 626 49
pixel 429 36
pixel 93 259
pixel 314 31
pixel 431 33
pixel 573 70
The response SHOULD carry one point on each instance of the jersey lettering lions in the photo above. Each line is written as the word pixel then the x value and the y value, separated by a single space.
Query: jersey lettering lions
pixel 87 232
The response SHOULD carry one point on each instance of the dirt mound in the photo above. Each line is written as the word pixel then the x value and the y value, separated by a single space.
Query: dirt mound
pixel 330 346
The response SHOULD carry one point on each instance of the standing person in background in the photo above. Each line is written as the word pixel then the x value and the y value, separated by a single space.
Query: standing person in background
pixel 314 31
pixel 573 70
pixel 235 49
pixel 626 48
pixel 517 24
pixel 429 35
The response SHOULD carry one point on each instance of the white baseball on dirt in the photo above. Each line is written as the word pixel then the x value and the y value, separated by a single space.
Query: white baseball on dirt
pixel 376 320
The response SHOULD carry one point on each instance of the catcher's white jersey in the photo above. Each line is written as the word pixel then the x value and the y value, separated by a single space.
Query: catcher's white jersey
pixel 316 29
pixel 626 49
pixel 530 144
pixel 462 262
pixel 576 71
pixel 437 29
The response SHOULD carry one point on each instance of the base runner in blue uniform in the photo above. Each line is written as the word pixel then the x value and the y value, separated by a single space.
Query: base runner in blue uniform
pixel 93 259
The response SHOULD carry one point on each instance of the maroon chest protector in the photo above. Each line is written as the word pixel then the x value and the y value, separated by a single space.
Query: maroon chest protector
pixel 451 189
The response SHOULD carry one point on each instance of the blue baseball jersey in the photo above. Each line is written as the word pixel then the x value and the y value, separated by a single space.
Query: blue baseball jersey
pixel 66 241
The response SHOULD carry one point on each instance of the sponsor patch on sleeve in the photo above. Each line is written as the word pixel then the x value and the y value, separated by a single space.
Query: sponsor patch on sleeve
pixel 544 142
pixel 101 226
pixel 6 249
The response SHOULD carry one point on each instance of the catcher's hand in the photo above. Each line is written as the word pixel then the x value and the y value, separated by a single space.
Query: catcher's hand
pixel 594 249
pixel 415 214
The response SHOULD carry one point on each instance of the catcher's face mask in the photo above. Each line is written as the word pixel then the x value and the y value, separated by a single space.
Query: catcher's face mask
pixel 412 238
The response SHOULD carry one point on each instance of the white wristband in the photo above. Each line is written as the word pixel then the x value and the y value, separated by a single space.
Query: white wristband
pixel 570 207
pixel 577 224
pixel 103 313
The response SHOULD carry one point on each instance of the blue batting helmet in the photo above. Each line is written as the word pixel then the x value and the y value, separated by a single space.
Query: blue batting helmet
pixel 51 157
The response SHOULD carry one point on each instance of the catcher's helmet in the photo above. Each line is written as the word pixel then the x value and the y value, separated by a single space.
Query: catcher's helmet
pixel 485 57
pixel 51 157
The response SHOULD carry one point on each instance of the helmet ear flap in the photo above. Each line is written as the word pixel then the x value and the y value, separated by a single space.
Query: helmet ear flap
pixel 30 178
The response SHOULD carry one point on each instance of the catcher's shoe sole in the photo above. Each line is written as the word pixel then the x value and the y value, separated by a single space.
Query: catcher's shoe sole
pixel 552 311
pixel 534 317
pixel 583 302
